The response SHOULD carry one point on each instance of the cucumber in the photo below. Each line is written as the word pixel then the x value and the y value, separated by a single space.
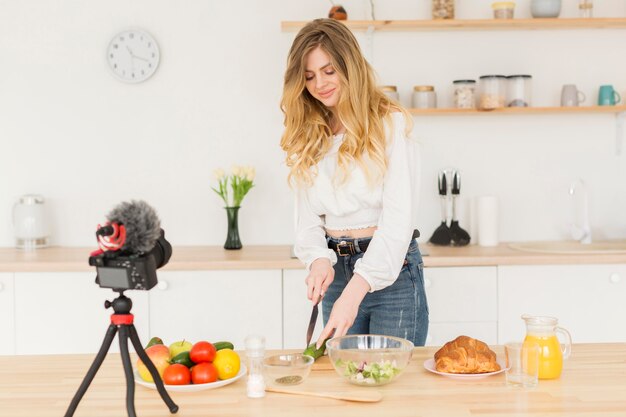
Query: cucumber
pixel 154 341
pixel 223 345
pixel 316 353
pixel 183 359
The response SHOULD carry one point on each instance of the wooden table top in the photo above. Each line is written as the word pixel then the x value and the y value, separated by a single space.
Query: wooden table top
pixel 593 383
pixel 195 258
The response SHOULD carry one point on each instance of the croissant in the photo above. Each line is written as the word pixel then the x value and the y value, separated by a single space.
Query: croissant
pixel 466 355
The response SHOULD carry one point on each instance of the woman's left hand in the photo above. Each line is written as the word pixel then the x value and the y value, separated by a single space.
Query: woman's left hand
pixel 345 309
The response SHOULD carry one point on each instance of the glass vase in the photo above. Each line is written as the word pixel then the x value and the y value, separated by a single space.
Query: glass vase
pixel 232 238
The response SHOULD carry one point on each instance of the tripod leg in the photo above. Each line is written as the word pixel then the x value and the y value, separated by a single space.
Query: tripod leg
pixel 91 373
pixel 128 371
pixel 134 338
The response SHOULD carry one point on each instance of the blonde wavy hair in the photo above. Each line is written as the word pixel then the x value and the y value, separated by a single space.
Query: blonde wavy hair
pixel 362 108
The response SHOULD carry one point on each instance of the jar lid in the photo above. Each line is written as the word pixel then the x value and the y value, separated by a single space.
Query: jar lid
pixel 464 82
pixel 31 199
pixel 482 77
pixel 389 88
pixel 423 88
pixel 503 5
pixel 520 76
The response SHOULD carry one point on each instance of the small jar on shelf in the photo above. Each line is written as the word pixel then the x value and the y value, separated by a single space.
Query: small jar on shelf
pixel 503 9
pixel 391 91
pixel 585 8
pixel 424 97
pixel 492 92
pixel 518 90
pixel 443 9
pixel 464 94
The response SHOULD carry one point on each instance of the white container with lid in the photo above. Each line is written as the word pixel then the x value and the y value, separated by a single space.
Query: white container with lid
pixel 391 91
pixel 424 97
pixel 492 92
pixel 464 94
pixel 30 222
pixel 518 90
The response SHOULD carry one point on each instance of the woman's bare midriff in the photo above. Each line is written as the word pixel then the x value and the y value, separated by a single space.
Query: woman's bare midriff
pixel 353 233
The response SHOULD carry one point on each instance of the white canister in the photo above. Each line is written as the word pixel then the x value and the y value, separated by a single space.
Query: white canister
pixel 487 220
pixel 424 97
pixel 29 222
pixel 391 91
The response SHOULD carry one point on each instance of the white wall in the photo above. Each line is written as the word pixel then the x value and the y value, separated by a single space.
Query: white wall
pixel 65 121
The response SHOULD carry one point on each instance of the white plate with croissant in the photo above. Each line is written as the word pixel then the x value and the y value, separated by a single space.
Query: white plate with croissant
pixel 465 358
pixel 429 365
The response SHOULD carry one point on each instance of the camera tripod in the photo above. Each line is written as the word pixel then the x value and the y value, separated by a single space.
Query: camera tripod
pixel 122 320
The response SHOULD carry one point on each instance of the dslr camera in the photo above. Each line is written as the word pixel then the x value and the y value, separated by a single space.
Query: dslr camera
pixel 127 270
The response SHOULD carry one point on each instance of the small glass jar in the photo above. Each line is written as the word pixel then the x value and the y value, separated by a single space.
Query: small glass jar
pixel 443 9
pixel 464 94
pixel 518 90
pixel 424 97
pixel 585 8
pixel 503 9
pixel 391 91
pixel 492 92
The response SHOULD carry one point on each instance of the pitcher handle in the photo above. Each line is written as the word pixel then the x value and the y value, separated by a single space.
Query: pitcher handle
pixel 567 349
pixel 618 98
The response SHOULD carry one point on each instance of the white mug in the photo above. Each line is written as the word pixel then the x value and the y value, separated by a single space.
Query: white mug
pixel 571 96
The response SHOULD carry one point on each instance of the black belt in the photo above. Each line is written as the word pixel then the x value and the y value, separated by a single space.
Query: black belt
pixel 347 247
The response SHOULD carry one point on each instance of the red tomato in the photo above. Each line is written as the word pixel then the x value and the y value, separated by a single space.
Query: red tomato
pixel 176 374
pixel 203 373
pixel 202 352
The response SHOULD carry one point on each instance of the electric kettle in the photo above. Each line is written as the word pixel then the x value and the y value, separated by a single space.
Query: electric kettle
pixel 29 222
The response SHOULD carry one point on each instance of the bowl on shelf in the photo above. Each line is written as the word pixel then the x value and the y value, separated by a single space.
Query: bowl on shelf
pixel 369 359
pixel 545 8
pixel 288 369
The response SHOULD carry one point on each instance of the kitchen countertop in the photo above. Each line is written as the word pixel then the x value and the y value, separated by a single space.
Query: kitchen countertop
pixel 593 383
pixel 185 258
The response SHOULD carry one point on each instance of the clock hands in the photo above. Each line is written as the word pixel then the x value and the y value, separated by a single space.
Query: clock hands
pixel 135 56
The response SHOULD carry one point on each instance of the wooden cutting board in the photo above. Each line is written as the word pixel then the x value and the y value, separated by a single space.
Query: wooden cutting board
pixel 322 364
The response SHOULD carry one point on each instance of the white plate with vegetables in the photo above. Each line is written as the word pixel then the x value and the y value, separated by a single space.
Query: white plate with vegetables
pixel 193 387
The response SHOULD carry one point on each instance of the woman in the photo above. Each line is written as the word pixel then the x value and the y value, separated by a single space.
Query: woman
pixel 349 158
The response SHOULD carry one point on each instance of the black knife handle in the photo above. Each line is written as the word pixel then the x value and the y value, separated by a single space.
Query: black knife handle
pixel 443 184
pixel 456 183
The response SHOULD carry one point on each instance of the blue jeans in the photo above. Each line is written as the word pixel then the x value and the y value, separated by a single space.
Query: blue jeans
pixel 399 310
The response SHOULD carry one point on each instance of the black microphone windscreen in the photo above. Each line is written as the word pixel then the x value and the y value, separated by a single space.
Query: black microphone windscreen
pixel 142 224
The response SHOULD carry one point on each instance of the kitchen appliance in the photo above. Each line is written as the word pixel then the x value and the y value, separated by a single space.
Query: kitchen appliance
pixel 459 236
pixel 30 223
pixel 441 235
pixel 543 331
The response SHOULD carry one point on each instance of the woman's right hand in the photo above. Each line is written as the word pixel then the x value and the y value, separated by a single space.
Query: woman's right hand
pixel 319 279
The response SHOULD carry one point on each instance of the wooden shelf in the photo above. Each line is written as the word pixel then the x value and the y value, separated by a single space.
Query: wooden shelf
pixel 519 110
pixel 482 24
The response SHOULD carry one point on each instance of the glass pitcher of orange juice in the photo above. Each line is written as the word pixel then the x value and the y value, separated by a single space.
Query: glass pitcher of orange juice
pixel 543 331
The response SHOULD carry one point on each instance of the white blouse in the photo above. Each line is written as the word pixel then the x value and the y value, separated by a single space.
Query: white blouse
pixel 357 205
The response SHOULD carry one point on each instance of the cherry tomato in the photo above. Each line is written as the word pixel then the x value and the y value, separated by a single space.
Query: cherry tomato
pixel 176 374
pixel 202 352
pixel 203 373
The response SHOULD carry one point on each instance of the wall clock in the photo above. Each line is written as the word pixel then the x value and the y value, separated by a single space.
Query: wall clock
pixel 133 55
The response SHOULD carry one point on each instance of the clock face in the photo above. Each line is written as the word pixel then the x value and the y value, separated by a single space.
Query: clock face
pixel 133 56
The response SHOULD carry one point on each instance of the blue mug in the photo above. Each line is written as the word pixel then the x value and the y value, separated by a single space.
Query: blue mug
pixel 607 96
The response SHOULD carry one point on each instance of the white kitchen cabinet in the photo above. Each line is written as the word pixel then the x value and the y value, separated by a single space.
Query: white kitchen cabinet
pixel 64 313
pixel 7 323
pixel 297 310
pixel 217 305
pixel 588 300
pixel 461 301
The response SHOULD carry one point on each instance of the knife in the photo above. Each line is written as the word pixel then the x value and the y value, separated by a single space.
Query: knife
pixel 312 321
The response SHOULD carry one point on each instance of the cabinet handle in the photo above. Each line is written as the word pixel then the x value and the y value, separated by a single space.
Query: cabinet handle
pixel 162 285
pixel 427 283
pixel 615 278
